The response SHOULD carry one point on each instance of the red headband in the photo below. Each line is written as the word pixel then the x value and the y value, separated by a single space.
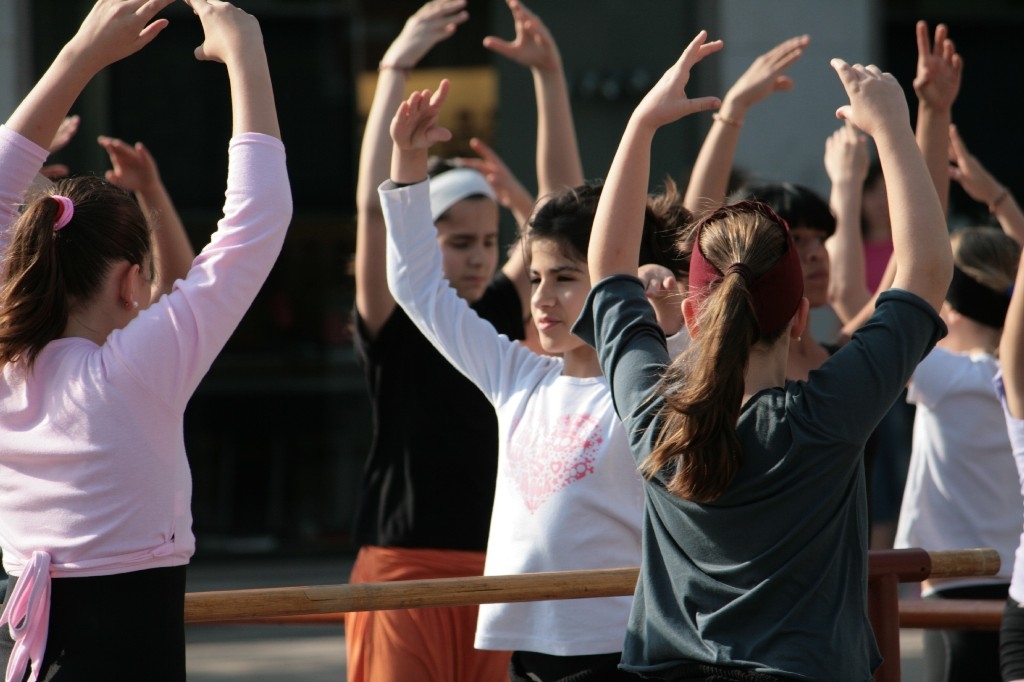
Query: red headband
pixel 776 293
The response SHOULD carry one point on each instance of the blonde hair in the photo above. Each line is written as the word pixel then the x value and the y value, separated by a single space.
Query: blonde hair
pixel 987 254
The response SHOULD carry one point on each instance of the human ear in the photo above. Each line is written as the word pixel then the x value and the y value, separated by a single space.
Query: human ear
pixel 126 287
pixel 800 317
pixel 690 317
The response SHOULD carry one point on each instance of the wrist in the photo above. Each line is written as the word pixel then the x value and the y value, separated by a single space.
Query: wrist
pixel 997 200
pixel 394 67
pixel 409 166
pixel 733 110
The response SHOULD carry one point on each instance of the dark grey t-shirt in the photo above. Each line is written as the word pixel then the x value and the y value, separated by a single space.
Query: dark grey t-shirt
pixel 772 576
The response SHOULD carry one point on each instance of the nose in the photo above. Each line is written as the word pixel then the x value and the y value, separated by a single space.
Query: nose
pixel 541 296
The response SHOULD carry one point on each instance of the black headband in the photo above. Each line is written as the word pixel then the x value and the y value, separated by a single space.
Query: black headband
pixel 974 300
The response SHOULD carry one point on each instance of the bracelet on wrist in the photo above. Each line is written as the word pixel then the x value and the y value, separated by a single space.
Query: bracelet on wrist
pixel 722 118
pixel 397 68
pixel 993 205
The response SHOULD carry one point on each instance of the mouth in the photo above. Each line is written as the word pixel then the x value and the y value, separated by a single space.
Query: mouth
pixel 545 323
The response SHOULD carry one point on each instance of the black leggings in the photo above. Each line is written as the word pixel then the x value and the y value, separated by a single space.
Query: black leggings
pixel 529 666
pixel 129 626
pixel 963 655
pixel 1011 641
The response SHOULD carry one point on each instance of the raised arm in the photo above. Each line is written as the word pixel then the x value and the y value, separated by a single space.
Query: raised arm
pixel 431 24
pixel 112 30
pixel 558 156
pixel 846 162
pixel 1011 349
pixel 937 84
pixel 510 191
pixel 135 170
pixel 981 186
pixel 710 177
pixel 920 240
pixel 618 224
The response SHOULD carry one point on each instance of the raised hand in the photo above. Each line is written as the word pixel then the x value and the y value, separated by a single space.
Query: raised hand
pixel 66 131
pixel 228 31
pixel 533 46
pixel 939 68
pixel 415 125
pixel 511 193
pixel 876 100
pixel 114 29
pixel 763 77
pixel 663 295
pixel 667 100
pixel 133 166
pixel 846 155
pixel 965 168
pixel 432 23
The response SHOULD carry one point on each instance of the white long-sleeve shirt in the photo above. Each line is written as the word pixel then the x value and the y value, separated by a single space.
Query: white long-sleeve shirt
pixel 568 495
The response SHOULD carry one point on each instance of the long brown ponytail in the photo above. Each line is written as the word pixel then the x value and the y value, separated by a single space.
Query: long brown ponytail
pixel 698 447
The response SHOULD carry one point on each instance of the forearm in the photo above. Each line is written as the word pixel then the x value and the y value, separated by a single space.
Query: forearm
pixel 375 150
pixel 172 250
pixel 1011 349
pixel 618 223
pixel 1011 219
pixel 932 135
pixel 848 291
pixel 862 316
pixel 558 154
pixel 252 94
pixel 709 180
pixel 39 115
pixel 920 236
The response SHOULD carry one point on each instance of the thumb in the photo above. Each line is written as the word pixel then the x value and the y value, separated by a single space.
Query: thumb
pixel 499 46
pixel 843 112
pixel 704 104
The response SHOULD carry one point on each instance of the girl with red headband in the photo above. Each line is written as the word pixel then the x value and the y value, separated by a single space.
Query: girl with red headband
pixel 95 488
pixel 755 539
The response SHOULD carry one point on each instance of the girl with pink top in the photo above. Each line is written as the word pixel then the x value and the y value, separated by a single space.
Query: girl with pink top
pixel 95 489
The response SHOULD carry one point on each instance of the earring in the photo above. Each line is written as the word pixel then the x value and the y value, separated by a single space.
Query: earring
pixel 135 304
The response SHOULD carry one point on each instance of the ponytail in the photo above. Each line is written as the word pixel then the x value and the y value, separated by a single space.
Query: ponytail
pixel 60 253
pixel 698 449
pixel 699 430
pixel 33 298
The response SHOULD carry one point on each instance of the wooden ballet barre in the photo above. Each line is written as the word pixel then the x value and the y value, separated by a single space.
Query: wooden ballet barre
pixel 279 603
pixel 274 602
pixel 951 614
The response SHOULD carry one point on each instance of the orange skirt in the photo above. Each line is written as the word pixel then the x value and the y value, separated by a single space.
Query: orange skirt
pixel 433 644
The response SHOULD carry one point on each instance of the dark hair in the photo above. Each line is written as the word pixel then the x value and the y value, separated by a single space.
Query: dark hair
pixel 668 237
pixel 566 217
pixel 46 273
pixel 799 206
pixel 703 388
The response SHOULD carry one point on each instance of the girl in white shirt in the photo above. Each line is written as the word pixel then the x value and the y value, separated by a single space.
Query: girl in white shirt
pixel 568 495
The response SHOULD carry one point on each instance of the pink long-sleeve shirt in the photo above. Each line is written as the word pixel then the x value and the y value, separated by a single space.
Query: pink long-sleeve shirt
pixel 92 459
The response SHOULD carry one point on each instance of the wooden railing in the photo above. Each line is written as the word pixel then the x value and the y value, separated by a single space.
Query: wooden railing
pixel 327 603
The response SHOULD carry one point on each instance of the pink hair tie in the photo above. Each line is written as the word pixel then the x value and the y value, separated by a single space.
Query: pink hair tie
pixel 65 211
